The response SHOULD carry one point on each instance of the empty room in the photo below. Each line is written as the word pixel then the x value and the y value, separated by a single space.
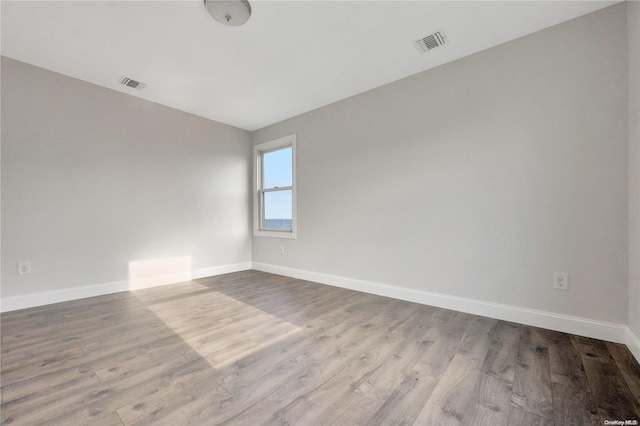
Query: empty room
pixel 320 212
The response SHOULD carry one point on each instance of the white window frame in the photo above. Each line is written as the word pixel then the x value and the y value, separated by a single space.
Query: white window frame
pixel 258 208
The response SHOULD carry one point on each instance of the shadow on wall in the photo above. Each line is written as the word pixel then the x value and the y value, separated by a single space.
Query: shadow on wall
pixel 155 272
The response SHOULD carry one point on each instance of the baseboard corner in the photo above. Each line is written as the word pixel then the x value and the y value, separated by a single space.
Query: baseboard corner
pixel 633 343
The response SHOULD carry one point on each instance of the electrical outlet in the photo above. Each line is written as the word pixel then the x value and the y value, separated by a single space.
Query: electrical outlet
pixel 561 281
pixel 281 249
pixel 24 268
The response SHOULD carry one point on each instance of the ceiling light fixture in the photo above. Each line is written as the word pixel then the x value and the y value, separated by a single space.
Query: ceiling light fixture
pixel 229 12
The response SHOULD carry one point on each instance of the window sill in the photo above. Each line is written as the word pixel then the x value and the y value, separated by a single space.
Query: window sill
pixel 275 234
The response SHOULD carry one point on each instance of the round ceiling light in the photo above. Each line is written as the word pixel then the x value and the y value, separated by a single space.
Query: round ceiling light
pixel 229 12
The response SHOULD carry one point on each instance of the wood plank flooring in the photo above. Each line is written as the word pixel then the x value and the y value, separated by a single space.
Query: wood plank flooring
pixel 252 348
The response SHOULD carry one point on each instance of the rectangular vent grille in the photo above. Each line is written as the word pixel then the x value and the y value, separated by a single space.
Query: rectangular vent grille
pixel 430 42
pixel 131 83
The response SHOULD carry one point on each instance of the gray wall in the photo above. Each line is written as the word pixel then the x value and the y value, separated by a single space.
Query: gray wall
pixel 479 178
pixel 633 21
pixel 93 179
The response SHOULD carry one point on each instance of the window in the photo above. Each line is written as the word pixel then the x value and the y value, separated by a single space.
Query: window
pixel 275 191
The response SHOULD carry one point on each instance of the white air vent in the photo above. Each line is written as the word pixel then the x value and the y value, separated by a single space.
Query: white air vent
pixel 131 83
pixel 430 42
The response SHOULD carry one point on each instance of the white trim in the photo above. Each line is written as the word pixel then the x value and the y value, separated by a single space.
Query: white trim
pixel 282 142
pixel 64 295
pixel 48 297
pixel 219 270
pixel 633 343
pixel 564 323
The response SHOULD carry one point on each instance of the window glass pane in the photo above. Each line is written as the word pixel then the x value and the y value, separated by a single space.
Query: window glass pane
pixel 278 167
pixel 277 210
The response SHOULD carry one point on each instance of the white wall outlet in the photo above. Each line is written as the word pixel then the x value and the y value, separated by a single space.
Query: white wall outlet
pixel 561 281
pixel 281 249
pixel 24 268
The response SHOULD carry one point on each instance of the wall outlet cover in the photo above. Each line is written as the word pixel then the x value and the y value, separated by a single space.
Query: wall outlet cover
pixel 561 281
pixel 24 268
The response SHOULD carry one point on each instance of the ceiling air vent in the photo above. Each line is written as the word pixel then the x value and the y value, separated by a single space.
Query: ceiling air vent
pixel 430 42
pixel 131 83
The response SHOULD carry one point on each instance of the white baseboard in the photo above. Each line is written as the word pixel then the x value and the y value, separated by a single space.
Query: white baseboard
pixel 64 295
pixel 219 270
pixel 633 343
pixel 564 323
pixel 49 297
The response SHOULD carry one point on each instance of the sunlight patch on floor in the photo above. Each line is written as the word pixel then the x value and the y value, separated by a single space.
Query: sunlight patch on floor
pixel 226 341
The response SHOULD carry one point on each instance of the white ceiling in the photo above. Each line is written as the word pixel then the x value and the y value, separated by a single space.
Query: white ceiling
pixel 291 57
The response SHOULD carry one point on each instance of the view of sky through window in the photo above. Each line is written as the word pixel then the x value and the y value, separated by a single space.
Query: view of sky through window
pixel 278 173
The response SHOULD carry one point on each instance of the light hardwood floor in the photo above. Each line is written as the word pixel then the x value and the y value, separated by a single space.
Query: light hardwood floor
pixel 253 348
